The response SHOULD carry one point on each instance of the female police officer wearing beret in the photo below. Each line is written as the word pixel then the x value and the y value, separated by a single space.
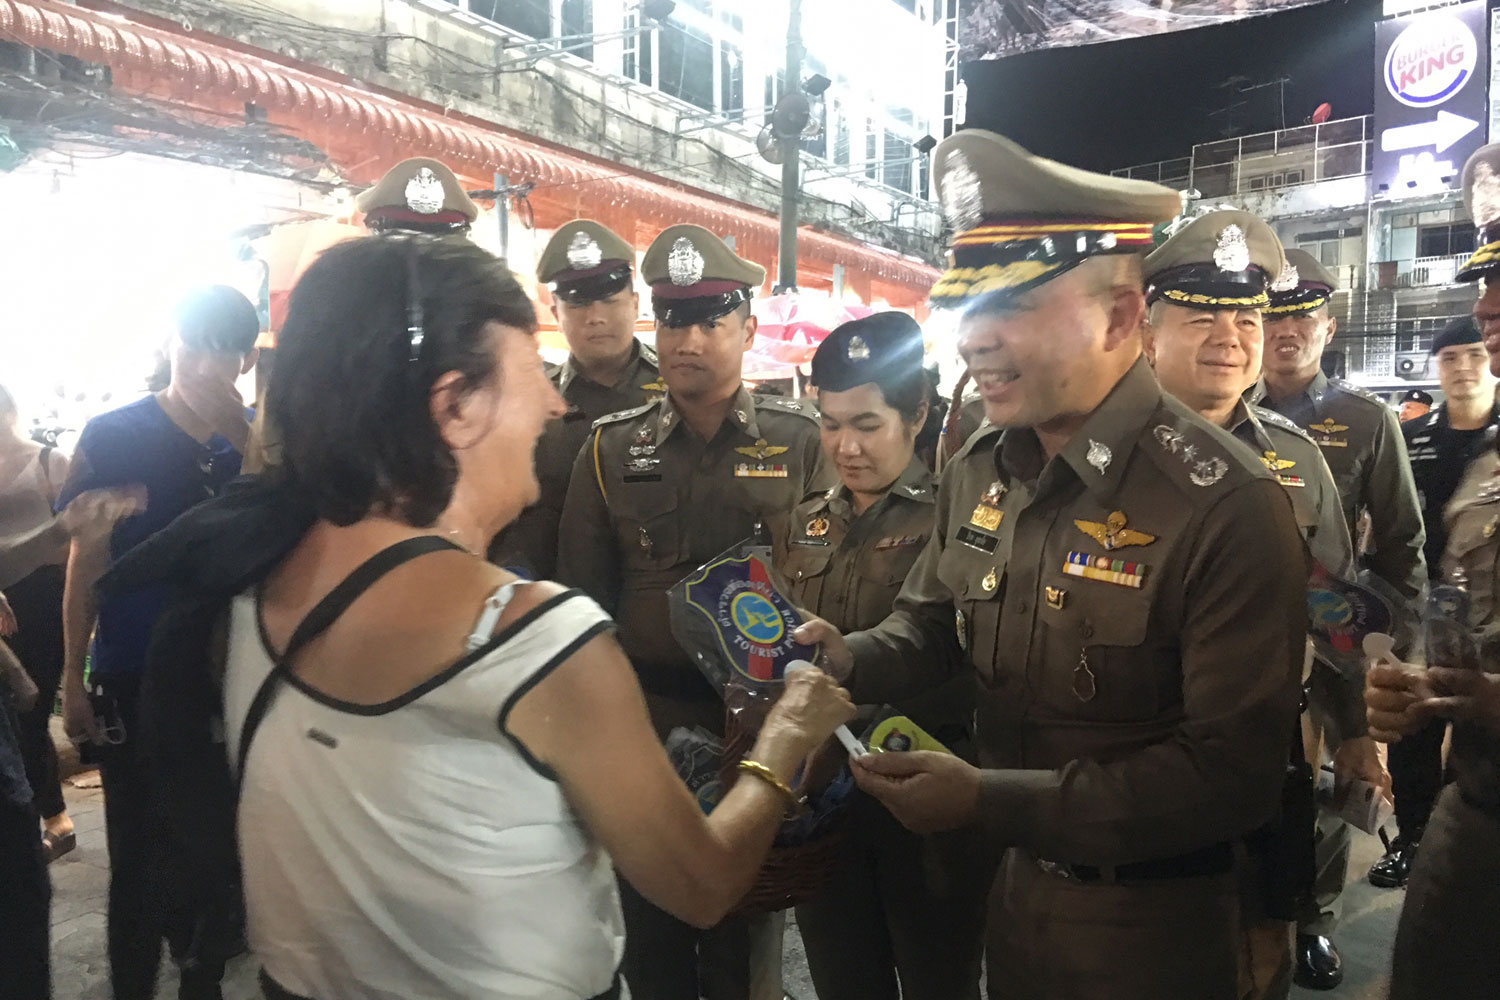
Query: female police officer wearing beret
pixel 900 905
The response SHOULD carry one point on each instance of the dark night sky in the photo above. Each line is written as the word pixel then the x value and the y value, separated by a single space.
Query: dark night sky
pixel 1123 103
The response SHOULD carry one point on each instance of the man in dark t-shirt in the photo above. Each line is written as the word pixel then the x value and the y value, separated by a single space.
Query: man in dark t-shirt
pixel 182 444
pixel 1440 445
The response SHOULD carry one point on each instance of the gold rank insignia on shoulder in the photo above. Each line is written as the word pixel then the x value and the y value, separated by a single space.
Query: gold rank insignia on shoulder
pixel 761 450
pixel 817 527
pixel 1275 464
pixel 1113 534
pixel 657 386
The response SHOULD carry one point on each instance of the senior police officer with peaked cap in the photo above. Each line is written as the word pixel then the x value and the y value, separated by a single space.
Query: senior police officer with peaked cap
pixel 1361 440
pixel 902 914
pixel 1205 292
pixel 591 273
pixel 1135 685
pixel 656 492
pixel 419 195
pixel 1451 917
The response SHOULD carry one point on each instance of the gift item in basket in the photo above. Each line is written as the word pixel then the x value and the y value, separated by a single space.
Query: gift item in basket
pixel 695 755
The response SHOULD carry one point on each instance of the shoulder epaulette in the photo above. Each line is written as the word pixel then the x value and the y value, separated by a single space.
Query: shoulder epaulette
pixel 1357 390
pixel 617 417
pixel 1267 416
pixel 1184 444
pixel 801 407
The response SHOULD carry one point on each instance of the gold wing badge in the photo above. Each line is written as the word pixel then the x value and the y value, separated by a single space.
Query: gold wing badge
pixel 761 450
pixel 1276 464
pixel 1113 534
pixel 1328 427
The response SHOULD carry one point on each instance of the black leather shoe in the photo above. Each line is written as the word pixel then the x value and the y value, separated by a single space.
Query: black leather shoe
pixel 1391 871
pixel 1318 965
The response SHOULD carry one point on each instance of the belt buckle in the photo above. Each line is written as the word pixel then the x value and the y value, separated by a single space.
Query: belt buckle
pixel 1055 868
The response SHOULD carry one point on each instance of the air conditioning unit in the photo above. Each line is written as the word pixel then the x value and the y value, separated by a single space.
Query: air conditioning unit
pixel 1411 365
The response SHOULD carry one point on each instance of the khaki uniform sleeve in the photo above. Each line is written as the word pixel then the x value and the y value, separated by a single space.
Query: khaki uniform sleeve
pixel 587 557
pixel 1340 699
pixel 1219 775
pixel 916 648
pixel 1390 494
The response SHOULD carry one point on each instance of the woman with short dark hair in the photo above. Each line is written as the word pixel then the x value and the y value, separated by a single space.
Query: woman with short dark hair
pixel 902 915
pixel 449 758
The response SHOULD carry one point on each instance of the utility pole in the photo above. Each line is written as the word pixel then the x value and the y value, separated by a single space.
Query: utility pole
pixel 786 249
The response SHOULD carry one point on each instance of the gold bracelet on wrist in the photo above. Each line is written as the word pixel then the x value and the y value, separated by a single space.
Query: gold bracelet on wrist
pixel 767 775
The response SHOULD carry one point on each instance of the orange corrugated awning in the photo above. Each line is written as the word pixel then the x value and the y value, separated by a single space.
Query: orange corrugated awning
pixel 350 120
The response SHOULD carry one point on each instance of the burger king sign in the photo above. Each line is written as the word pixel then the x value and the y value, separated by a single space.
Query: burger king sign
pixel 1430 61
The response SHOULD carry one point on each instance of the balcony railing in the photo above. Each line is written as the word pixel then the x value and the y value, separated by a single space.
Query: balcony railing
pixel 1419 272
pixel 1268 161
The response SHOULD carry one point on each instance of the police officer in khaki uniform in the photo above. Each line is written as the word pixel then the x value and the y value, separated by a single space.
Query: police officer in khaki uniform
pixel 1361 440
pixel 1445 942
pixel 591 272
pixel 1205 289
pixel 419 195
pixel 656 492
pixel 900 908
pixel 1136 684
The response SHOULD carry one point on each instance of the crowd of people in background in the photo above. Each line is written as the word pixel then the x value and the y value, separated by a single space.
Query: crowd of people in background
pixel 378 672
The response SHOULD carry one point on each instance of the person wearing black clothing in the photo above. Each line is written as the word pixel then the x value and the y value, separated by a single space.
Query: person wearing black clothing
pixel 183 445
pixel 1441 445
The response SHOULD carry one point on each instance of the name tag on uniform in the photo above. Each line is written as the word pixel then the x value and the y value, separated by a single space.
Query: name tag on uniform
pixel 810 541
pixel 1116 571
pixel 978 540
pixel 643 477
pixel 759 470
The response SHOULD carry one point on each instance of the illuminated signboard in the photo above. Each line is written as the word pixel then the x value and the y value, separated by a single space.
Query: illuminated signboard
pixel 1431 70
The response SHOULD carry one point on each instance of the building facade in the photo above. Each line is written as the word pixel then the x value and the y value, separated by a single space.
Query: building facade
pixel 1395 257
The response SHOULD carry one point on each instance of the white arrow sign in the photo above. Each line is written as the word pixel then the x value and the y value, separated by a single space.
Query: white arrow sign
pixel 1442 132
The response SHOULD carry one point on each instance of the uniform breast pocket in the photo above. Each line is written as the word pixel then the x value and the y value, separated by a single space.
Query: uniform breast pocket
pixel 977 580
pixel 805 562
pixel 887 565
pixel 651 534
pixel 1099 666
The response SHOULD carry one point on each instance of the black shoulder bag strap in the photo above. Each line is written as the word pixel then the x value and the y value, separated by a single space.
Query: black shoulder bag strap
pixel 324 614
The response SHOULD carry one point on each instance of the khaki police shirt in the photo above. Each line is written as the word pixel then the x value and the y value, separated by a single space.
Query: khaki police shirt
pixel 530 542
pixel 649 501
pixel 1362 443
pixel 847 569
pixel 1297 463
pixel 1473 523
pixel 1134 609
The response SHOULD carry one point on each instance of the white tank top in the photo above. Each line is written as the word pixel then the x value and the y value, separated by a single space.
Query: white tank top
pixel 413 850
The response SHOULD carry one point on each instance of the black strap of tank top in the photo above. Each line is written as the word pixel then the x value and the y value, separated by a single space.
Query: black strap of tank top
pixel 323 615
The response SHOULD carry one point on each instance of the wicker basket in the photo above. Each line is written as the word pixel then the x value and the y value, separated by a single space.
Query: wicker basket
pixel 792 874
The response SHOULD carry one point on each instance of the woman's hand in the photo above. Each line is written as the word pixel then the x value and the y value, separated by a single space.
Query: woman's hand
pixel 811 707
